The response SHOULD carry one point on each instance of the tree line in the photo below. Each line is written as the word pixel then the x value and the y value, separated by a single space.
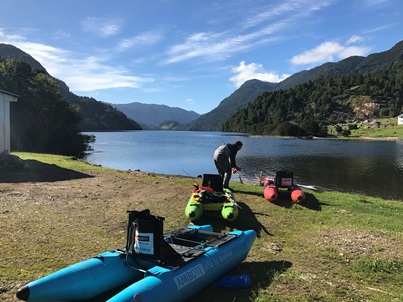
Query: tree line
pixel 42 120
pixel 308 108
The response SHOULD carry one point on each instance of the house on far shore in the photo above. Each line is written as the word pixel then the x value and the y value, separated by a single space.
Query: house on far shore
pixel 5 99
pixel 400 119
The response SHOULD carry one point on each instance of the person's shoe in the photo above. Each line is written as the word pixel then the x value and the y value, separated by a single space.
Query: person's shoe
pixel 229 188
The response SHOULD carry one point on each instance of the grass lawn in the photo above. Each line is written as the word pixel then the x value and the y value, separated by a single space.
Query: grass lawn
pixel 332 247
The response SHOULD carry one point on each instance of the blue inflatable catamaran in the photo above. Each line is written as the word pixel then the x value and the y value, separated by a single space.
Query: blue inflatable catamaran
pixel 154 266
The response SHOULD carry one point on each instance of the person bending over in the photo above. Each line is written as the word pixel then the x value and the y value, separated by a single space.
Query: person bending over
pixel 224 160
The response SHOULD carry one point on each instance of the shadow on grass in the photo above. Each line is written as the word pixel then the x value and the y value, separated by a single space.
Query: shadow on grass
pixel 36 171
pixel 246 220
pixel 284 199
pixel 258 194
pixel 262 275
pixel 311 202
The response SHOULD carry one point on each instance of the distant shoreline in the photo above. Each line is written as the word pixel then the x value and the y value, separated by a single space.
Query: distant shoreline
pixel 386 138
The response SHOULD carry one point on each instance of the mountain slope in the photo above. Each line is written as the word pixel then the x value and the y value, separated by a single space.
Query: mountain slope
pixel 309 108
pixel 353 65
pixel 154 115
pixel 213 120
pixel 96 116
pixel 340 68
pixel 11 52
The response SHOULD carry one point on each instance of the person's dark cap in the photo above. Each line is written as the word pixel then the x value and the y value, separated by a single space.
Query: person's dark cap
pixel 238 143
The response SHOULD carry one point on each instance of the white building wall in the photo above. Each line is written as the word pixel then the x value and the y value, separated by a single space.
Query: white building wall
pixel 5 100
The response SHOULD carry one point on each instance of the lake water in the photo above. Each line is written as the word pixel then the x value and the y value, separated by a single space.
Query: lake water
pixel 373 168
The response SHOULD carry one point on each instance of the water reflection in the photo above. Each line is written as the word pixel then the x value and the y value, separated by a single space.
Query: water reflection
pixel 399 156
pixel 373 168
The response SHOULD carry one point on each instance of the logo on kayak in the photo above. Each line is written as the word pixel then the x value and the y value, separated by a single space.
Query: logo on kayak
pixel 189 276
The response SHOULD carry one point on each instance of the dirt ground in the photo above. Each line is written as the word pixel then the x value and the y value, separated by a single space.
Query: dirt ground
pixel 33 178
pixel 127 190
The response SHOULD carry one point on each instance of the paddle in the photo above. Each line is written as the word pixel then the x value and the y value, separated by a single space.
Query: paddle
pixel 232 199
pixel 311 187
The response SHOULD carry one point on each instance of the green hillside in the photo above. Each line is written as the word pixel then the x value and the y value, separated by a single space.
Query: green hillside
pixel 309 108
pixel 250 90
pixel 41 119
pixel 94 115
pixel 213 120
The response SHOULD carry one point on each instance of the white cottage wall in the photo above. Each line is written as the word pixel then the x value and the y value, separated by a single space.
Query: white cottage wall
pixel 5 100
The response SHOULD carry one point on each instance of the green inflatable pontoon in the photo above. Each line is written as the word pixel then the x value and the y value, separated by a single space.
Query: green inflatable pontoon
pixel 211 196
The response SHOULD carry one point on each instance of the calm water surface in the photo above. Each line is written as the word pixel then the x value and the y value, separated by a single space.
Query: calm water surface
pixel 373 168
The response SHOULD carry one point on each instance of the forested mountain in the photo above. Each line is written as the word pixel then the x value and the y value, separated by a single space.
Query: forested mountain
pixel 352 88
pixel 42 120
pixel 239 99
pixel 153 115
pixel 95 115
pixel 354 65
pixel 308 108
pixel 213 120
pixel 340 68
pixel 100 116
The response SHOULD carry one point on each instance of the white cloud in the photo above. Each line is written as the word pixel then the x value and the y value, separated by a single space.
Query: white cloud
pixel 9 39
pixel 93 74
pixel 254 71
pixel 354 39
pixel 80 74
pixel 190 101
pixel 209 46
pixel 380 28
pixel 61 35
pixel 286 8
pixel 328 52
pixel 146 38
pixel 101 27
pixel 202 44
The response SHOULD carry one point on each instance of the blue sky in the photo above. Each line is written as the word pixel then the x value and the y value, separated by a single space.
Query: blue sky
pixel 192 54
